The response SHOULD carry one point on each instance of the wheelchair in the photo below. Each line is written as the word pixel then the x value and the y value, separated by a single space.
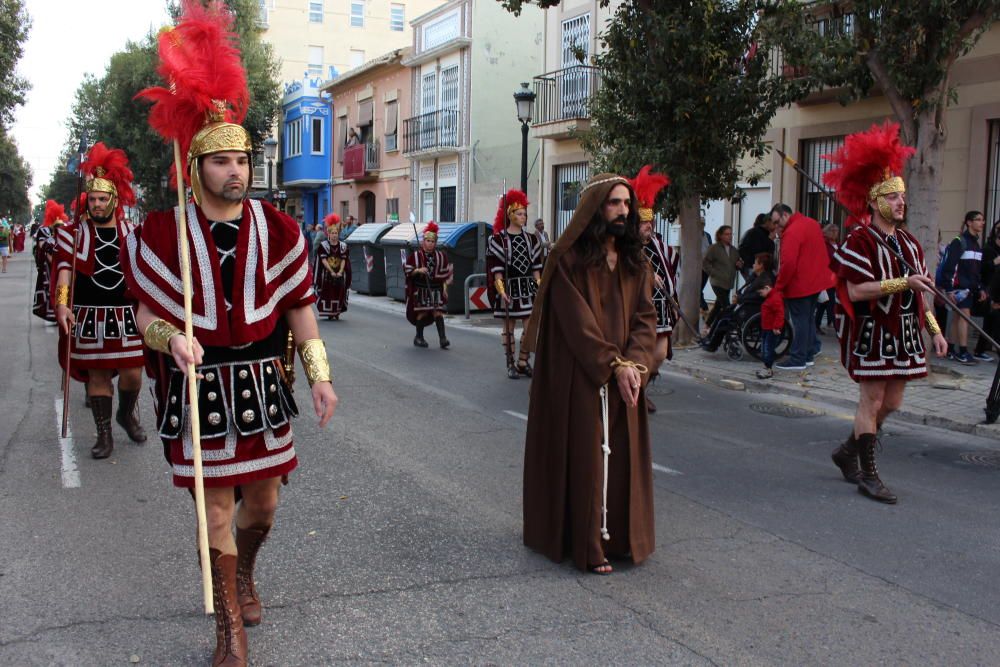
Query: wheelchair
pixel 737 330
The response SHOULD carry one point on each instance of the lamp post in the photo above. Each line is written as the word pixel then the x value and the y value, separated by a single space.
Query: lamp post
pixel 524 99
pixel 270 150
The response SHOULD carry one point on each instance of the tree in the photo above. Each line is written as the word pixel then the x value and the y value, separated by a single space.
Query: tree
pixel 14 26
pixel 106 110
pixel 906 50
pixel 692 105
pixel 15 179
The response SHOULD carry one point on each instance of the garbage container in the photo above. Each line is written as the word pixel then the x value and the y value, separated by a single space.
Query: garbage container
pixel 465 243
pixel 368 258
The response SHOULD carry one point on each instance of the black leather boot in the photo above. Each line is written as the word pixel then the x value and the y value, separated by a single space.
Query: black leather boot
pixel 418 340
pixel 439 323
pixel 101 407
pixel 128 416
pixel 846 458
pixel 869 482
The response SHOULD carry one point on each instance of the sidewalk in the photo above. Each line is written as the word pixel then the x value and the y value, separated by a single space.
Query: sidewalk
pixel 953 396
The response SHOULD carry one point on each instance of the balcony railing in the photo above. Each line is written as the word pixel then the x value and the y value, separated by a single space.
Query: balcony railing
pixel 430 131
pixel 362 159
pixel 565 94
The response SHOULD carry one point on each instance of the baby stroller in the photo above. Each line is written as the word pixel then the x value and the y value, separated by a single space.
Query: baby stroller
pixel 737 328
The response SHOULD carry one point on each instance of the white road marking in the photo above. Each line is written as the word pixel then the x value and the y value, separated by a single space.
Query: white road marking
pixel 70 473
pixel 656 466
pixel 670 471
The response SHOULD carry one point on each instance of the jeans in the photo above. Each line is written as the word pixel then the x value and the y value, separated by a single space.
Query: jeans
pixel 826 308
pixel 768 341
pixel 721 302
pixel 802 315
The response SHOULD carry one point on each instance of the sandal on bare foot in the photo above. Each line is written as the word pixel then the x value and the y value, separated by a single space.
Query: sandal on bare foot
pixel 603 569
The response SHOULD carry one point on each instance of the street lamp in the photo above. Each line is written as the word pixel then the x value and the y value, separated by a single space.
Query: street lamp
pixel 270 150
pixel 524 99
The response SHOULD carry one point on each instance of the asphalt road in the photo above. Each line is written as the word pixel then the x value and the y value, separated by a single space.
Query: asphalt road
pixel 398 539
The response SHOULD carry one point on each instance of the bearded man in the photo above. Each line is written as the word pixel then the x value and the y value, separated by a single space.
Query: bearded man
pixel 593 329
pixel 104 340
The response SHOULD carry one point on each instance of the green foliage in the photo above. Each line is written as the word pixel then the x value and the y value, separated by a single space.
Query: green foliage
pixel 693 106
pixel 15 179
pixel 14 26
pixel 105 108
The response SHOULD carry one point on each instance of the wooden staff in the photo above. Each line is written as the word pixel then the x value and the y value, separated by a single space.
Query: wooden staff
pixel 72 288
pixel 192 384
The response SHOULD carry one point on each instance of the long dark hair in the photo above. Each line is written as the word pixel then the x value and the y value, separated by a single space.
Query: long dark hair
pixel 590 245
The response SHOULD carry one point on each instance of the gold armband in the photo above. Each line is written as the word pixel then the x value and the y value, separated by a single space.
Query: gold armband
pixel 498 283
pixel 933 328
pixel 626 363
pixel 894 285
pixel 62 295
pixel 312 353
pixel 158 335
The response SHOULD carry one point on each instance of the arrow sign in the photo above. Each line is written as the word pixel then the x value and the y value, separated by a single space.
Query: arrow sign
pixel 478 300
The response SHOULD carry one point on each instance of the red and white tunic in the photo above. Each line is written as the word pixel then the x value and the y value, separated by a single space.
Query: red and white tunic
pixel 664 260
pixel 246 274
pixel 425 292
pixel 515 258
pixel 44 251
pixel 879 339
pixel 332 290
pixel 105 335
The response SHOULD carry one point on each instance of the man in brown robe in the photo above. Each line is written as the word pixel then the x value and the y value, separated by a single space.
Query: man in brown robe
pixel 594 324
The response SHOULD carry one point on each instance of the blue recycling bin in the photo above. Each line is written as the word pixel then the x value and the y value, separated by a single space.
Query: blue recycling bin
pixel 368 258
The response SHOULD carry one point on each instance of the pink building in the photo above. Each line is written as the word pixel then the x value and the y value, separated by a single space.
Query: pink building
pixel 370 176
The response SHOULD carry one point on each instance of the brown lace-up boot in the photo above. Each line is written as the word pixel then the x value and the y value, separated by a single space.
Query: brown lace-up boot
pixel 101 407
pixel 846 458
pixel 230 637
pixel 869 483
pixel 248 543
pixel 128 416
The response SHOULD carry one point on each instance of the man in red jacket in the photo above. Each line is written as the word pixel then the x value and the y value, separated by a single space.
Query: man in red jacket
pixel 803 273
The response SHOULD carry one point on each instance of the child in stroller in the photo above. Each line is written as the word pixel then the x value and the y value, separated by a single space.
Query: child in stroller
pixel 737 327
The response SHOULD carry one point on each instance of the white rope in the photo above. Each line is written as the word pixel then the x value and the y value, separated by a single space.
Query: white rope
pixel 606 448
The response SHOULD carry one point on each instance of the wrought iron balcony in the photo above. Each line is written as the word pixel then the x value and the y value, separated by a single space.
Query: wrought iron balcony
pixel 565 94
pixel 361 160
pixel 432 131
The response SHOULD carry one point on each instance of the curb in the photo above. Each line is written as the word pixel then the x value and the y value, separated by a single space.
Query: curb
pixel 990 431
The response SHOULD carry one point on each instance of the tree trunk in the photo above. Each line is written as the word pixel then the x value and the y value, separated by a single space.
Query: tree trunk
pixel 690 278
pixel 923 184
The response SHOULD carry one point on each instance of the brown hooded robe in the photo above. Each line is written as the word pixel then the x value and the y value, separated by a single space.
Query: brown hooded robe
pixel 583 319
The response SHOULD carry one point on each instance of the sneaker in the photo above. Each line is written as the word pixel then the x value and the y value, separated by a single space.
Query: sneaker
pixel 789 366
pixel 982 356
pixel 765 374
pixel 810 363
pixel 965 358
pixel 951 354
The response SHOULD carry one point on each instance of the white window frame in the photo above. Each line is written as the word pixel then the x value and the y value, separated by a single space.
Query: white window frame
pixel 357 13
pixel 315 11
pixel 360 61
pixel 293 138
pixel 313 120
pixel 315 69
pixel 397 17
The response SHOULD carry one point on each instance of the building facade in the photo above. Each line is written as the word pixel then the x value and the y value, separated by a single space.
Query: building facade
pixel 305 151
pixel 462 136
pixel 371 178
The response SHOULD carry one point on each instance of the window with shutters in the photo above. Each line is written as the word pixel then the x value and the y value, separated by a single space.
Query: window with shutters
pixel 293 138
pixel 391 127
pixel 316 11
pixel 392 209
pixel 448 197
pixel 365 121
pixel 569 182
pixel 342 138
pixel 315 60
pixel 449 103
pixel 397 17
pixel 992 211
pixel 812 202
pixel 357 14
pixel 428 92
pixel 316 135
pixel 357 58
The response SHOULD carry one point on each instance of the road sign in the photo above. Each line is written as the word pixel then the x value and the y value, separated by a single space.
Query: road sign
pixel 478 299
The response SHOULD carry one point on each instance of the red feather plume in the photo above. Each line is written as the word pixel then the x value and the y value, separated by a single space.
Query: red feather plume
pixel 200 63
pixel 866 158
pixel 647 186
pixel 114 161
pixel 80 203
pixel 331 219
pixel 511 198
pixel 431 227
pixel 54 211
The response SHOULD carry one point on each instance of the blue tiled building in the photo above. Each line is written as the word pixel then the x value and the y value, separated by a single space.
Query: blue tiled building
pixel 305 150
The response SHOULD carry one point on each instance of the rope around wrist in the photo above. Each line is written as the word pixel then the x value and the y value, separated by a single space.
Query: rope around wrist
pixel 626 363
pixel 312 353
pixel 158 334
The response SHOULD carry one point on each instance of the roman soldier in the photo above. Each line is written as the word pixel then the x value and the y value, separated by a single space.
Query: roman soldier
pixel 881 305
pixel 332 272
pixel 104 339
pixel 250 285
pixel 663 259
pixel 428 274
pixel 44 251
pixel 514 265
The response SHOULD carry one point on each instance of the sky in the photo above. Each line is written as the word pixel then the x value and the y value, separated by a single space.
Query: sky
pixel 55 67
